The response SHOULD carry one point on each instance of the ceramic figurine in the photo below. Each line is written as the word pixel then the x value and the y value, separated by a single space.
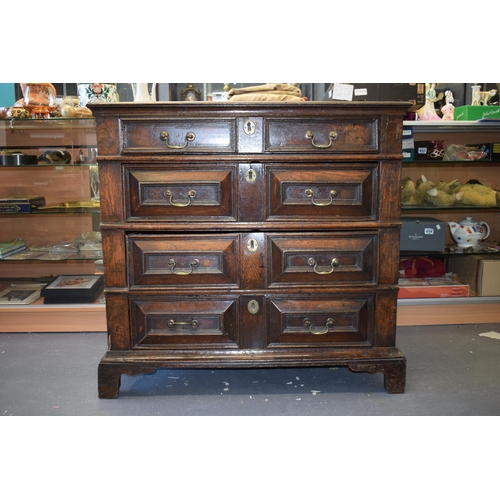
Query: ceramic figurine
pixel 448 109
pixel 427 112
pixel 480 98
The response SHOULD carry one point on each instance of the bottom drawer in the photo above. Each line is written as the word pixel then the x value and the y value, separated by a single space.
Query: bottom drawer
pixel 263 321
pixel 317 322
pixel 184 322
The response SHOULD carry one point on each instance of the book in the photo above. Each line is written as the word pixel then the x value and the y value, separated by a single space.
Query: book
pixel 10 247
pixel 21 294
pixel 21 205
pixel 23 255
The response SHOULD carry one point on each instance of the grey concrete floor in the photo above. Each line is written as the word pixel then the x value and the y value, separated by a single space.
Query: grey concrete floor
pixel 452 371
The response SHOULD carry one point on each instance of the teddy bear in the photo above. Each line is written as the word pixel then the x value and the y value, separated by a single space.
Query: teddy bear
pixel 409 194
pixel 442 194
pixel 476 194
pixel 414 193
pixel 439 197
pixel 424 190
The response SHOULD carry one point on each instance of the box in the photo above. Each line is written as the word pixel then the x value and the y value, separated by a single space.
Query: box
pixel 473 113
pixel 429 150
pixel 408 154
pixel 480 272
pixel 413 92
pixel 73 289
pixel 18 205
pixel 422 234
pixel 495 151
pixel 424 288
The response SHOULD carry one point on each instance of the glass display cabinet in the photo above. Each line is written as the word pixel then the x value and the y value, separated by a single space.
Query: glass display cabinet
pixel 431 141
pixel 49 200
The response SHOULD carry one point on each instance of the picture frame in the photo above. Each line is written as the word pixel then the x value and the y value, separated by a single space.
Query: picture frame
pixel 190 94
pixel 74 289
pixel 21 294
pixel 73 282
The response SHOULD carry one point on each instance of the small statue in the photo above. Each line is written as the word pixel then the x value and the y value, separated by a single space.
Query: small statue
pixel 427 112
pixel 480 98
pixel 448 109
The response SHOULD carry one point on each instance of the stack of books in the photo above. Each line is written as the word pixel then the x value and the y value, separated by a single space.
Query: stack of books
pixel 11 247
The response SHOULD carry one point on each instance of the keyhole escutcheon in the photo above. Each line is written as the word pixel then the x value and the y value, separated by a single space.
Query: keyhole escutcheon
pixel 251 176
pixel 249 127
pixel 252 245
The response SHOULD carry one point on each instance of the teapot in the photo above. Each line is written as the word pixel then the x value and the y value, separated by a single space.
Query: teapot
pixel 468 232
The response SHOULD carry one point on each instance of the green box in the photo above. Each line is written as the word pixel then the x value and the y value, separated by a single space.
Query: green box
pixel 473 113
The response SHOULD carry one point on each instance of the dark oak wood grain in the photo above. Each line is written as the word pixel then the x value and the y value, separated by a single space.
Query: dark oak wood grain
pixel 224 248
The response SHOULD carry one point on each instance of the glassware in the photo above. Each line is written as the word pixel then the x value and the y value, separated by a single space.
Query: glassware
pixel 40 99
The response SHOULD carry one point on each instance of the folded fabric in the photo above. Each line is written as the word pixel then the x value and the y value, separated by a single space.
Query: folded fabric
pixel 265 96
pixel 268 87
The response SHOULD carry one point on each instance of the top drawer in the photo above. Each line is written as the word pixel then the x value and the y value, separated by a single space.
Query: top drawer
pixel 178 135
pixel 316 135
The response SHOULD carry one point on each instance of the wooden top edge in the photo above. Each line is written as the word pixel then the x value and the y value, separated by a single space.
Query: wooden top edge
pixel 251 104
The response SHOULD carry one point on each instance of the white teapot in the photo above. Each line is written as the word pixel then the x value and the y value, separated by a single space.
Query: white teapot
pixel 468 232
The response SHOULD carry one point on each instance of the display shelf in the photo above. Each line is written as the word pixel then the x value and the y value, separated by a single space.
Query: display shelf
pixel 70 185
pixel 448 311
pixel 39 317
pixel 466 309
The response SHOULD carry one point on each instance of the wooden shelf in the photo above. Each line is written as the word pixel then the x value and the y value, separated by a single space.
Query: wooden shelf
pixel 39 317
pixel 456 311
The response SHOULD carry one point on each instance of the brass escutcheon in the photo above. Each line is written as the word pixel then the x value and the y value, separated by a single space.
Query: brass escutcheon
pixel 251 176
pixel 249 127
pixel 252 245
pixel 253 307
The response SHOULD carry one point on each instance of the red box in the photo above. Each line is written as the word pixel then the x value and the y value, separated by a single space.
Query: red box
pixel 424 288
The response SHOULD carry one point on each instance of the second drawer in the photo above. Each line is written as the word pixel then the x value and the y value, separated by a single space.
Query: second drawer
pixel 253 260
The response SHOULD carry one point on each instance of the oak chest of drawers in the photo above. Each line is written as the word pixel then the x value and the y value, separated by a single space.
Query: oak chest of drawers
pixel 250 235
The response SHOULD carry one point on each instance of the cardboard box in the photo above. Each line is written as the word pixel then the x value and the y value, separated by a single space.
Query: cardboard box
pixel 423 288
pixel 495 151
pixel 412 92
pixel 408 154
pixel 473 113
pixel 429 150
pixel 480 272
pixel 422 234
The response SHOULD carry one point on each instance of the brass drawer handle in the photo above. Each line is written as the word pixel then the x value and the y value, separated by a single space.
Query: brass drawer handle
pixel 329 322
pixel 333 135
pixel 194 263
pixel 171 323
pixel 334 263
pixel 332 194
pixel 189 138
pixel 191 195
